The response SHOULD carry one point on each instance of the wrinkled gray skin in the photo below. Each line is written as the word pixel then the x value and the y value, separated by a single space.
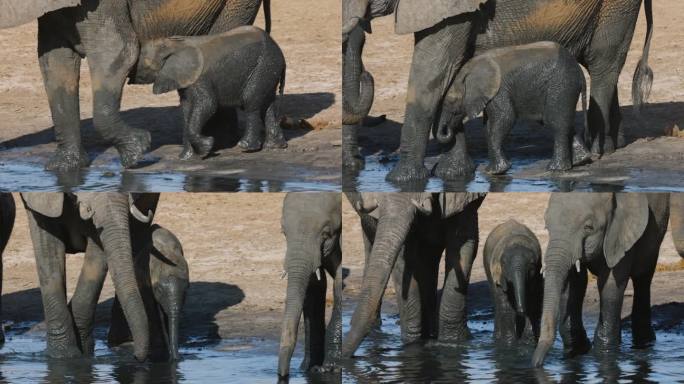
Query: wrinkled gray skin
pixel 539 81
pixel 677 220
pixel 163 279
pixel 312 224
pixel 7 214
pixel 97 224
pixel 240 68
pixel 447 33
pixel 512 261
pixel 405 234
pixel 615 236
pixel 109 33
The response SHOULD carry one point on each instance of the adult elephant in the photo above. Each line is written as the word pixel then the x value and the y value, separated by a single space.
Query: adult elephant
pixel 448 33
pixel 677 220
pixel 407 233
pixel 7 214
pixel 97 224
pixel 615 236
pixel 109 33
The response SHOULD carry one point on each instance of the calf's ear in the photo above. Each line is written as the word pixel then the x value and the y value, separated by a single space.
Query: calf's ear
pixel 481 85
pixel 180 70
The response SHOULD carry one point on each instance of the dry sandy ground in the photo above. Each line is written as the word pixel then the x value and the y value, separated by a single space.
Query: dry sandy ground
pixel 310 42
pixel 235 252
pixel 644 163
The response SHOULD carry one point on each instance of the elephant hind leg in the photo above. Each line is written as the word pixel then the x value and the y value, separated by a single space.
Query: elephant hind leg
pixel 642 328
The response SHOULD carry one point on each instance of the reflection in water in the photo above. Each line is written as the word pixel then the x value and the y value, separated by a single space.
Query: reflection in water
pixel 382 357
pixel 21 176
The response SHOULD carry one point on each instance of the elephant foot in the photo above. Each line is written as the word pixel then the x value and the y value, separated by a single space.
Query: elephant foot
pixel 579 346
pixel 133 146
pixel 66 159
pixel 203 145
pixel 187 153
pixel 2 334
pixel 448 168
pixel 596 148
pixel 326 367
pixel 407 171
pixel 605 341
pixel 250 144
pixel 352 161
pixel 454 336
pixel 609 145
pixel 580 154
pixel 63 351
pixel 643 336
pixel 277 142
pixel 558 165
pixel 498 168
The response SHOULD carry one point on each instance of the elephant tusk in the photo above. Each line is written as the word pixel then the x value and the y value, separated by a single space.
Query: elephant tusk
pixel 577 265
pixel 283 274
pixel 543 270
pixel 140 216
pixel 318 274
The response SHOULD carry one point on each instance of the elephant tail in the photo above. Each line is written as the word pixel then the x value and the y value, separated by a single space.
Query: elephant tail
pixel 281 92
pixel 643 75
pixel 267 16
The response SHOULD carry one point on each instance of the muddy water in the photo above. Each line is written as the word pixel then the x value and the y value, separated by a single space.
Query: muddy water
pixel 30 176
pixel 251 360
pixel 527 174
pixel 385 359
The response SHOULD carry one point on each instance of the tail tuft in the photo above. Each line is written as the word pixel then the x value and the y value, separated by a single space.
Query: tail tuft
pixel 641 85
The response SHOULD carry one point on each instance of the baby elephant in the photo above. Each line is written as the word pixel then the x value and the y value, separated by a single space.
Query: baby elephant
pixel 239 68
pixel 512 261
pixel 163 278
pixel 539 81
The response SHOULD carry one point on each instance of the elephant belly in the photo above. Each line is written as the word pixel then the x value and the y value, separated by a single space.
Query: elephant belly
pixel 516 22
pixel 154 19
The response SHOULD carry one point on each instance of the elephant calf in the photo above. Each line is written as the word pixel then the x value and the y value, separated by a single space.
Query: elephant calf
pixel 512 261
pixel 163 277
pixel 312 224
pixel 7 214
pixel 239 68
pixel 539 81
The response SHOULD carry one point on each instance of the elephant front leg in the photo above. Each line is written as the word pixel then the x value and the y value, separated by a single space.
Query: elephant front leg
pixel 438 54
pixel 314 323
pixel 611 291
pixel 333 333
pixel 60 67
pixel 572 330
pixel 642 328
pixel 50 262
pixel 408 298
pixel 88 288
pixel 504 317
pixel 198 105
pixel 498 127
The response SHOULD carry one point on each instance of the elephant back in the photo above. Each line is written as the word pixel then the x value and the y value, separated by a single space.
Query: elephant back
pixel 503 236
pixel 154 19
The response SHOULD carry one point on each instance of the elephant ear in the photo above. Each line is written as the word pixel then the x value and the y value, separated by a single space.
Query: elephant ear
pixel 366 203
pixel 48 204
pixel 416 15
pixel 180 70
pixel 453 203
pixel 626 227
pixel 481 84
pixel 15 12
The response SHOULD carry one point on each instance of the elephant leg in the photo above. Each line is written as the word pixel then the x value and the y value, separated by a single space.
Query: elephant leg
pixel 314 323
pixel 408 294
pixel 498 127
pixel 198 107
pixel 112 48
pixel 642 328
pixel 254 128
pixel 274 133
pixel 612 284
pixel 351 154
pixel 60 66
pixel 563 127
pixel 62 341
pixel 88 288
pixel 575 340
pixel 504 317
pixel 427 271
pixel 223 127
pixel 439 52
pixel 461 249
pixel 368 236
pixel 333 333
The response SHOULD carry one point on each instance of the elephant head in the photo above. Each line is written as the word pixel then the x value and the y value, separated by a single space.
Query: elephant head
pixel 473 88
pixel 170 279
pixel 583 227
pixel 170 63
pixel 16 13
pixel 108 213
pixel 312 224
pixel 395 213
pixel 677 220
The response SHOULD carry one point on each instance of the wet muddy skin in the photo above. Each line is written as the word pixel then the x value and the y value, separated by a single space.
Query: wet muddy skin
pixel 384 358
pixel 244 360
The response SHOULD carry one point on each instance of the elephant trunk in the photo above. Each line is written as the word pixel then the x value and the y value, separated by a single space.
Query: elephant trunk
pixel 558 262
pixel 391 234
pixel 357 83
pixel 518 281
pixel 115 236
pixel 299 272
